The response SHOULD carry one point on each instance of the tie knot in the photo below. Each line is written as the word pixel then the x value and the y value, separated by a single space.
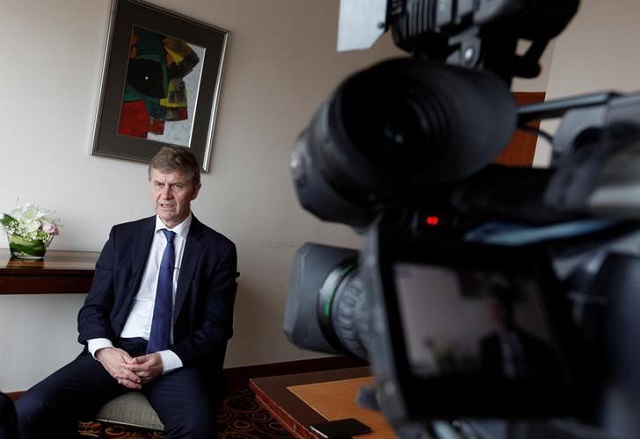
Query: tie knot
pixel 169 234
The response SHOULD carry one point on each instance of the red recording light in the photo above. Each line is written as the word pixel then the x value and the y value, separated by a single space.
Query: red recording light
pixel 432 220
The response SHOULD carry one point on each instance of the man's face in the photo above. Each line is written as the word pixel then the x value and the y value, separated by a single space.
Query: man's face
pixel 172 195
pixel 499 313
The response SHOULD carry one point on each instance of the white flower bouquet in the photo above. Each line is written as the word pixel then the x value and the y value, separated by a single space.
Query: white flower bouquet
pixel 30 221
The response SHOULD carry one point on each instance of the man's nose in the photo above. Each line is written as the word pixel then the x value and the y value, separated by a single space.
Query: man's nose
pixel 166 192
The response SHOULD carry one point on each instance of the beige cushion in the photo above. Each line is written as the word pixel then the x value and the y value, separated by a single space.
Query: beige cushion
pixel 131 409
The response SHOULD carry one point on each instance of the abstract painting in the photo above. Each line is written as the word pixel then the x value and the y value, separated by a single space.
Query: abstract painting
pixel 160 85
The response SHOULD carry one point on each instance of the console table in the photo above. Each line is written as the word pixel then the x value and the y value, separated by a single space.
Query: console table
pixel 60 272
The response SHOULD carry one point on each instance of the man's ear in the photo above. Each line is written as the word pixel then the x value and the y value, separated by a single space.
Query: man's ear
pixel 196 191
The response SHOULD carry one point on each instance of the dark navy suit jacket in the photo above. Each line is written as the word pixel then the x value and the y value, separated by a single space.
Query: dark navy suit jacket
pixel 205 295
pixel 540 359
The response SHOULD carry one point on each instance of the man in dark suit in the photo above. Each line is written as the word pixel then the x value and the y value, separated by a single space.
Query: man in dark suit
pixel 181 378
pixel 510 351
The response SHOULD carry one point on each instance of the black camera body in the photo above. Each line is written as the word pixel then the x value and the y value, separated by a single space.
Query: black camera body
pixel 481 291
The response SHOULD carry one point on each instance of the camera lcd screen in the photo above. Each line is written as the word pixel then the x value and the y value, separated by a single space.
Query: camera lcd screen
pixel 459 321
pixel 481 332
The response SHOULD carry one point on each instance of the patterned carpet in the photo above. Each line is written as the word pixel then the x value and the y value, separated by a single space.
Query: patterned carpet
pixel 240 418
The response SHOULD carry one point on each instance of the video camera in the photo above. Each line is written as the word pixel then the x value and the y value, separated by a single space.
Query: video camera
pixel 461 256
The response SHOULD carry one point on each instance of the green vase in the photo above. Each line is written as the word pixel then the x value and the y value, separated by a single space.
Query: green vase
pixel 26 249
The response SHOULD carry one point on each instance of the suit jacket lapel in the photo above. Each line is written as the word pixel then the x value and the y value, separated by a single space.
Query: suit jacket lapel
pixel 192 251
pixel 142 244
pixel 141 239
pixel 141 247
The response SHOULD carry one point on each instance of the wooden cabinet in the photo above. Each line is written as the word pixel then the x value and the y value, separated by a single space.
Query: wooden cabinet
pixel 522 147
pixel 61 272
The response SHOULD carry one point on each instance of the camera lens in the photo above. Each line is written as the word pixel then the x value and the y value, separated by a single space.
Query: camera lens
pixel 326 307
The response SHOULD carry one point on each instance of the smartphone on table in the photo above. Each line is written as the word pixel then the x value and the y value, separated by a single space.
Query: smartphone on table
pixel 340 428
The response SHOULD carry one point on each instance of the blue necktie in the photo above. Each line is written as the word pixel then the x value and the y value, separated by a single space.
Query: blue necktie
pixel 163 309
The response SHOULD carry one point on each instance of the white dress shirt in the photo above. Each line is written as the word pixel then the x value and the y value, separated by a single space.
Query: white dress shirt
pixel 513 357
pixel 138 324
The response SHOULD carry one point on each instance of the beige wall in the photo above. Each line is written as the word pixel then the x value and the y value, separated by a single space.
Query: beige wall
pixel 281 64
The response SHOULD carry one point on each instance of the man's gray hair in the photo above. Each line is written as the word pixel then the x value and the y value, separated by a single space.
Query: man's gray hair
pixel 174 158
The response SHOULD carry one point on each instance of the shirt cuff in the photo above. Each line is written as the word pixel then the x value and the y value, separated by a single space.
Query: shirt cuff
pixel 170 361
pixel 98 343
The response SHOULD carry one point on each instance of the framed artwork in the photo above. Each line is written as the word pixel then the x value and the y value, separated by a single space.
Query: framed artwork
pixel 160 83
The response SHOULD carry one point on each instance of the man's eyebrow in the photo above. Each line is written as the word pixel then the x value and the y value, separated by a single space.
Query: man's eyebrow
pixel 172 183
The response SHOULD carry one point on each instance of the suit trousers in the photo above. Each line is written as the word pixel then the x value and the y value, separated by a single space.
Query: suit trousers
pixel 53 407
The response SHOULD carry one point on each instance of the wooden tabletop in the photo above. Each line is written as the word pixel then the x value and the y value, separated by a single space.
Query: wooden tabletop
pixel 60 272
pixel 339 400
pixel 277 395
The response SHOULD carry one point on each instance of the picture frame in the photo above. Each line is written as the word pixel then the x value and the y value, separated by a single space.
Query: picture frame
pixel 160 83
